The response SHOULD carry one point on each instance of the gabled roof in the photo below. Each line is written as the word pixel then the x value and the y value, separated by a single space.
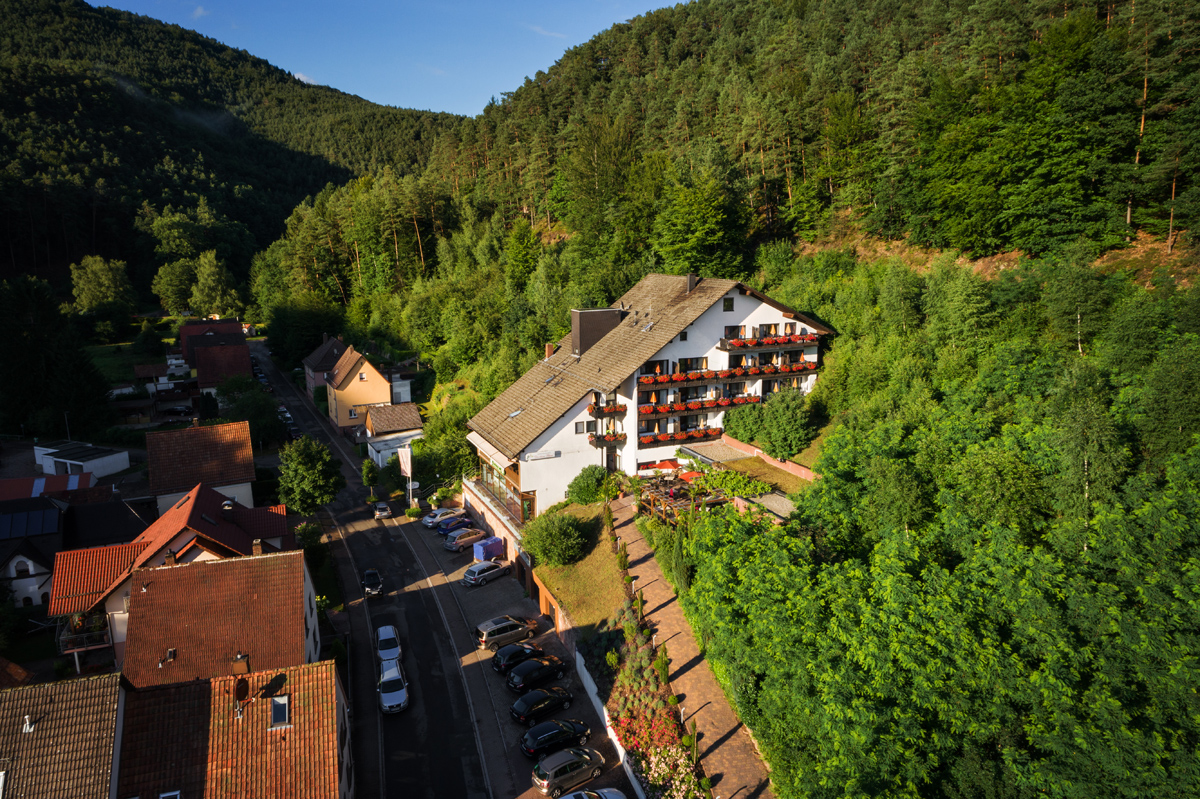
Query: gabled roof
pixel 25 487
pixel 383 419
pixel 210 610
pixel 217 455
pixel 214 365
pixel 654 312
pixel 189 738
pixel 189 332
pixel 69 754
pixel 325 357
pixel 84 577
pixel 348 366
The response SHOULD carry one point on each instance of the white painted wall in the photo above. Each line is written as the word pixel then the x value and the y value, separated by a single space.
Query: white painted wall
pixel 100 467
pixel 33 585
pixel 239 492
pixel 551 476
pixel 381 448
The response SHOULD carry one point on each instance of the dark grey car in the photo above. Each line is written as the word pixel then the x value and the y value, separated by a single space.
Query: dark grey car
pixel 564 770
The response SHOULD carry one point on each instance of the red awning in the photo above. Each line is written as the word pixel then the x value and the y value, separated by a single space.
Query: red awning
pixel 662 466
pixel 689 476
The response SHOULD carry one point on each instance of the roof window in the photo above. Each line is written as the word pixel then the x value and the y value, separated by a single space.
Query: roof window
pixel 279 711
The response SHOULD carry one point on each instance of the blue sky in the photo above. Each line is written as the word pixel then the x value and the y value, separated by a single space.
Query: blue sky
pixel 440 56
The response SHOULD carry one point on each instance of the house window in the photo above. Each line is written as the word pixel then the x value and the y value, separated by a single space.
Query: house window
pixel 279 711
pixel 170 795
pixel 362 376
pixel 585 427
pixel 22 568
pixel 789 328
pixel 353 413
pixel 733 331
pixel 683 336
pixel 727 304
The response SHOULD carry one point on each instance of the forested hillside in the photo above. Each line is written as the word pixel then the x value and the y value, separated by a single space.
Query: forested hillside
pixel 110 120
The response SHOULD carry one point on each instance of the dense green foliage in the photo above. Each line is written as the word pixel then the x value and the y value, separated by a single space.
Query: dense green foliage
pixel 554 539
pixel 992 589
pixel 110 121
pixel 309 476
pixel 780 425
pixel 584 489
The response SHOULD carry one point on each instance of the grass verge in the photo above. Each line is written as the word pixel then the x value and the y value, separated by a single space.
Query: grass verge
pixel 777 478
pixel 808 457
pixel 590 590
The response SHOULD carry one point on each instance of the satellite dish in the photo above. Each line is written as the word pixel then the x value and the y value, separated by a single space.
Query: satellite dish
pixel 242 690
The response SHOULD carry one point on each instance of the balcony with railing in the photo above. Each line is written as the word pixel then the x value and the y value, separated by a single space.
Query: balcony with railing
pixel 768 342
pixel 680 437
pixel 603 411
pixel 79 633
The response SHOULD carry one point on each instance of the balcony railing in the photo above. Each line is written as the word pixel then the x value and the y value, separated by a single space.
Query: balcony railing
pixel 690 407
pixel 682 437
pixel 601 440
pixel 767 342
pixel 79 641
pixel 607 410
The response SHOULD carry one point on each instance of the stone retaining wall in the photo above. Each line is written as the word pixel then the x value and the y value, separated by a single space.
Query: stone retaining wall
pixel 789 467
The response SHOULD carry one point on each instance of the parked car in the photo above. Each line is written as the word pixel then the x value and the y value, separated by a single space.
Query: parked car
pixel 435 517
pixel 179 410
pixel 596 793
pixel 387 643
pixel 552 735
pixel 495 633
pixel 383 510
pixel 566 769
pixel 447 526
pixel 393 688
pixel 480 573
pixel 461 539
pixel 372 583
pixel 534 672
pixel 508 656
pixel 539 703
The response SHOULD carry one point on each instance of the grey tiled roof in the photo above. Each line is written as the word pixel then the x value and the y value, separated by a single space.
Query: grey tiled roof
pixel 69 752
pixel 394 418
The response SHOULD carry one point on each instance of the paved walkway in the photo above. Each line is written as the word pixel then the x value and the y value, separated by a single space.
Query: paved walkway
pixel 727 753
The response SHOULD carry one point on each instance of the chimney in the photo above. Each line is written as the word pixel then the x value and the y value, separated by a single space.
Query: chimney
pixel 324 337
pixel 241 663
pixel 549 350
pixel 195 421
pixel 169 560
pixel 256 547
pixel 591 325
pixel 227 510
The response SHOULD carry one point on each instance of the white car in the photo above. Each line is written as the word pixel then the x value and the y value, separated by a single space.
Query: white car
pixel 461 539
pixel 393 688
pixel 440 515
pixel 383 510
pixel 387 643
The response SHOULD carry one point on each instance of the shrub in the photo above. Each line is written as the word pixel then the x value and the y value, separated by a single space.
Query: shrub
pixel 554 539
pixel 414 513
pixel 673 700
pixel 611 659
pixel 585 488
pixel 744 422
pixel 785 428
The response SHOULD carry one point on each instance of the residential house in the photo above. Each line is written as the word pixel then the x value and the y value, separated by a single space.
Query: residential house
pixel 217 361
pixel 61 740
pixel 76 457
pixel 214 618
pixel 92 587
pixel 321 362
pixel 31 532
pixel 282 732
pixel 219 455
pixel 355 385
pixel 229 332
pixel 391 428
pixel 655 371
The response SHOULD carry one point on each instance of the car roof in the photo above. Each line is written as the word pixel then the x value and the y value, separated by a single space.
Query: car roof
pixel 387 629
pixel 559 758
pixel 390 668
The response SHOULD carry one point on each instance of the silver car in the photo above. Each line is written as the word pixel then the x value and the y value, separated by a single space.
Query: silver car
pixel 459 540
pixel 436 517
pixel 387 643
pixel 565 769
pixel 393 688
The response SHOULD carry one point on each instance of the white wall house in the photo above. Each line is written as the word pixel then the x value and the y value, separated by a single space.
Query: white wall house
pixel 75 457
pixel 655 371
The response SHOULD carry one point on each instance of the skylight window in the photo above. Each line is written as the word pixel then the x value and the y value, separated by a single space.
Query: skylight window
pixel 279 711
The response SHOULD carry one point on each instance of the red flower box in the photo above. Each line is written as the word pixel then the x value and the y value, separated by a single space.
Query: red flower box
pixel 709 403
pixel 695 375
pixel 739 400
pixel 645 409
pixel 756 398
pixel 697 434
pixel 664 436
pixel 693 406
pixel 768 370
pixel 647 379
pixel 723 402
pixel 591 409
pixel 739 371
pixel 709 375
pixel 679 377
pixel 811 365
pixel 724 373
pixel 736 342
pixel 679 406
pixel 662 378
pixel 783 367
pixel 796 339
pixel 753 370
pixel 751 342
pixel 681 436
pixel 646 439
pixel 663 408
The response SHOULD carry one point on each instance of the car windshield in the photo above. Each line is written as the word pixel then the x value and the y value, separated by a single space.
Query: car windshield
pixel 371 579
pixel 393 685
pixel 387 643
pixel 540 773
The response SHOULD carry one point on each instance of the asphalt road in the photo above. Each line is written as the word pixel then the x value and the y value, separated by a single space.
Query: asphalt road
pixel 456 739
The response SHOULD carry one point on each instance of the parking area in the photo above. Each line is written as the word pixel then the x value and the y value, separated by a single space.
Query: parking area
pixel 508 770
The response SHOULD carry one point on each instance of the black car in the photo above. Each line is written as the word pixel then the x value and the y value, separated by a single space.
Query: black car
pixel 509 656
pixel 372 583
pixel 550 736
pixel 538 703
pixel 534 672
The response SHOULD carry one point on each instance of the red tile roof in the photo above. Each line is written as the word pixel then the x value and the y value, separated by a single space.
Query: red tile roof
pixel 210 610
pixel 69 753
pixel 217 455
pixel 215 365
pixel 26 487
pixel 188 332
pixel 84 577
pixel 189 738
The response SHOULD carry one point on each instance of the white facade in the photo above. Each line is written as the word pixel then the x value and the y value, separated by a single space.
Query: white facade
pixel 29 580
pixel 238 492
pixel 382 448
pixel 70 458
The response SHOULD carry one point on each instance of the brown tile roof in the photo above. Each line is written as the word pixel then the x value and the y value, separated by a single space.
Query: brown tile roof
pixel 144 370
pixel 84 577
pixel 42 485
pixel 346 367
pixel 210 610
pixel 326 356
pixel 215 365
pixel 69 753
pixel 188 332
pixel 656 310
pixel 189 738
pixel 13 675
pixel 217 455
pixel 393 418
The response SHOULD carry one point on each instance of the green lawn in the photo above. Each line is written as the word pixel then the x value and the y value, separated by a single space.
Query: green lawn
pixel 779 479
pixel 591 590
pixel 116 361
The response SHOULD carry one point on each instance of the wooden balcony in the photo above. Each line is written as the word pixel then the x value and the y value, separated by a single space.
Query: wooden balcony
pixel 602 440
pixel 665 410
pixel 601 411
pixel 768 343
pixel 682 437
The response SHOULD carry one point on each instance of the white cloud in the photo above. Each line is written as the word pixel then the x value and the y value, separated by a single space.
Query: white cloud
pixel 300 76
pixel 544 32
pixel 200 11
